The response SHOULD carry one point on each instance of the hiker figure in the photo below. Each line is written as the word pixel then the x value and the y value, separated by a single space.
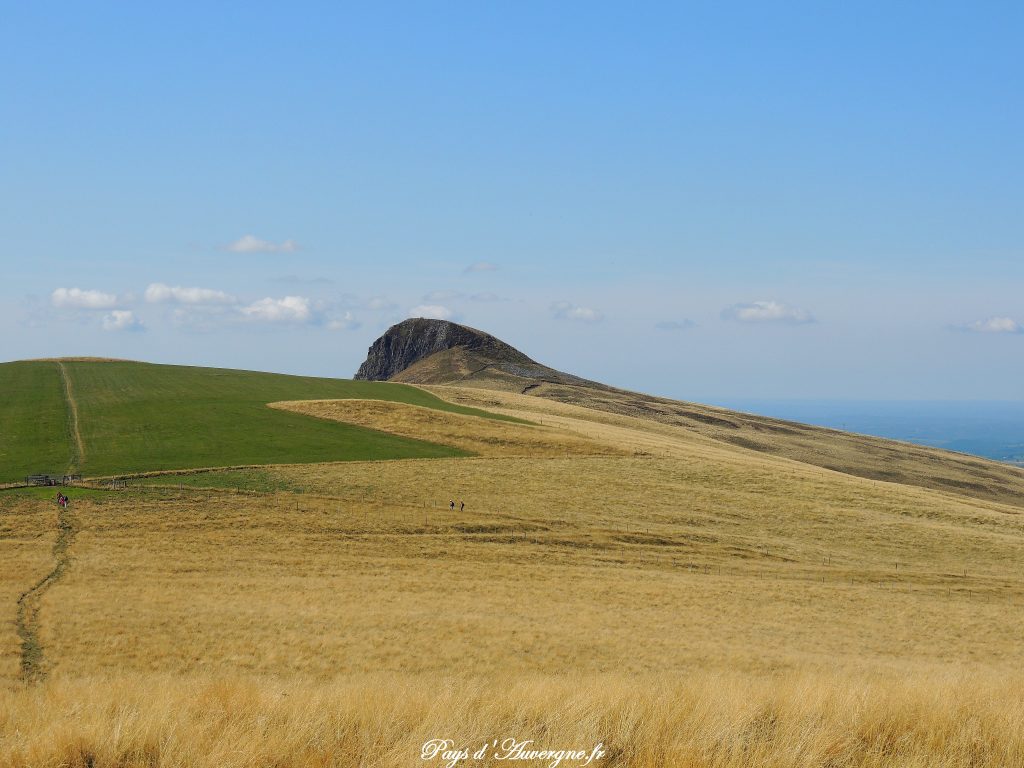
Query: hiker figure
pixel 451 505
pixel 462 506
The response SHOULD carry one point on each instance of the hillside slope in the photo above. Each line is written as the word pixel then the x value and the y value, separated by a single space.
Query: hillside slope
pixel 116 417
pixel 33 420
pixel 765 611
pixel 472 364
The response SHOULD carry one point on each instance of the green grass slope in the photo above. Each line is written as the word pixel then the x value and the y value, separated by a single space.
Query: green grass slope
pixel 33 421
pixel 138 417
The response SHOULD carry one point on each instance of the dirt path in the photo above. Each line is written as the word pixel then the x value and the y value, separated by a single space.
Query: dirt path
pixel 33 667
pixel 77 447
pixel 32 662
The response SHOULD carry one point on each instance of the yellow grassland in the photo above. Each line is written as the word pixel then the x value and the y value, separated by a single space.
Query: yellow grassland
pixel 684 601
pixel 486 437
pixel 27 533
pixel 382 721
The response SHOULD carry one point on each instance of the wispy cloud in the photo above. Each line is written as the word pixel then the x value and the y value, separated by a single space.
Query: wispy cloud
pixel 432 311
pixel 253 244
pixel 76 298
pixel 437 296
pixel 159 293
pixel 287 310
pixel 675 325
pixel 994 325
pixel 564 310
pixel 299 310
pixel 208 309
pixel 121 320
pixel 345 322
pixel 481 266
pixel 767 312
pixel 298 280
pixel 380 304
pixel 203 317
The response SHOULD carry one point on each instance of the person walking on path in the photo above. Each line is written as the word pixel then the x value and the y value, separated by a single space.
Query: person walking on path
pixel 451 505
pixel 462 506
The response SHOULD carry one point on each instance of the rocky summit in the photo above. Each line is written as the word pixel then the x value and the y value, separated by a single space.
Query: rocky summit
pixel 407 343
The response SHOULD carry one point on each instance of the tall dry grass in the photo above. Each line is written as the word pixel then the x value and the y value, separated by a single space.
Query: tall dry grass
pixel 486 437
pixel 27 534
pixel 836 621
pixel 382 722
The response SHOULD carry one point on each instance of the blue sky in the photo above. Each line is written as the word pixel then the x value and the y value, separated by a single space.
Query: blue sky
pixel 700 200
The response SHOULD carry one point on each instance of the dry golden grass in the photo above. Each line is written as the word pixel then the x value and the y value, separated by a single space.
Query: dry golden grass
pixel 476 379
pixel 588 564
pixel 27 532
pixel 486 437
pixel 383 721
pixel 685 601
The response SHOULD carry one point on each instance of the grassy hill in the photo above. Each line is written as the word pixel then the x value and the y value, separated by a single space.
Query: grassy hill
pixel 687 586
pixel 684 600
pixel 136 417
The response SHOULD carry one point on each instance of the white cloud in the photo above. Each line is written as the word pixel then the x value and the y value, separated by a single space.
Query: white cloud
pixel 482 266
pixel 675 325
pixel 344 323
pixel 290 309
pixel 995 325
pixel 253 244
pixel 563 310
pixel 287 310
pixel 432 311
pixel 121 320
pixel 158 293
pixel 767 312
pixel 76 298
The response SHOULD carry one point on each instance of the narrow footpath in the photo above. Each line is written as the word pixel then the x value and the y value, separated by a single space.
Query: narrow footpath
pixel 74 434
pixel 33 663
pixel 33 667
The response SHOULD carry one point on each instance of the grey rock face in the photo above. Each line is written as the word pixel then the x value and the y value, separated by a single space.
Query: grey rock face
pixel 412 340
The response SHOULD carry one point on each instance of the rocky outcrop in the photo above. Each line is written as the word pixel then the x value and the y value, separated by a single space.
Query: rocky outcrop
pixel 412 340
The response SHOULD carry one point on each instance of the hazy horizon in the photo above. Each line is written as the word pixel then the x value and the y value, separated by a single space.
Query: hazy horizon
pixel 992 429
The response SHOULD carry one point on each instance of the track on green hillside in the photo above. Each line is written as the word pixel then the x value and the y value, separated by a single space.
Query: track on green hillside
pixel 140 417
